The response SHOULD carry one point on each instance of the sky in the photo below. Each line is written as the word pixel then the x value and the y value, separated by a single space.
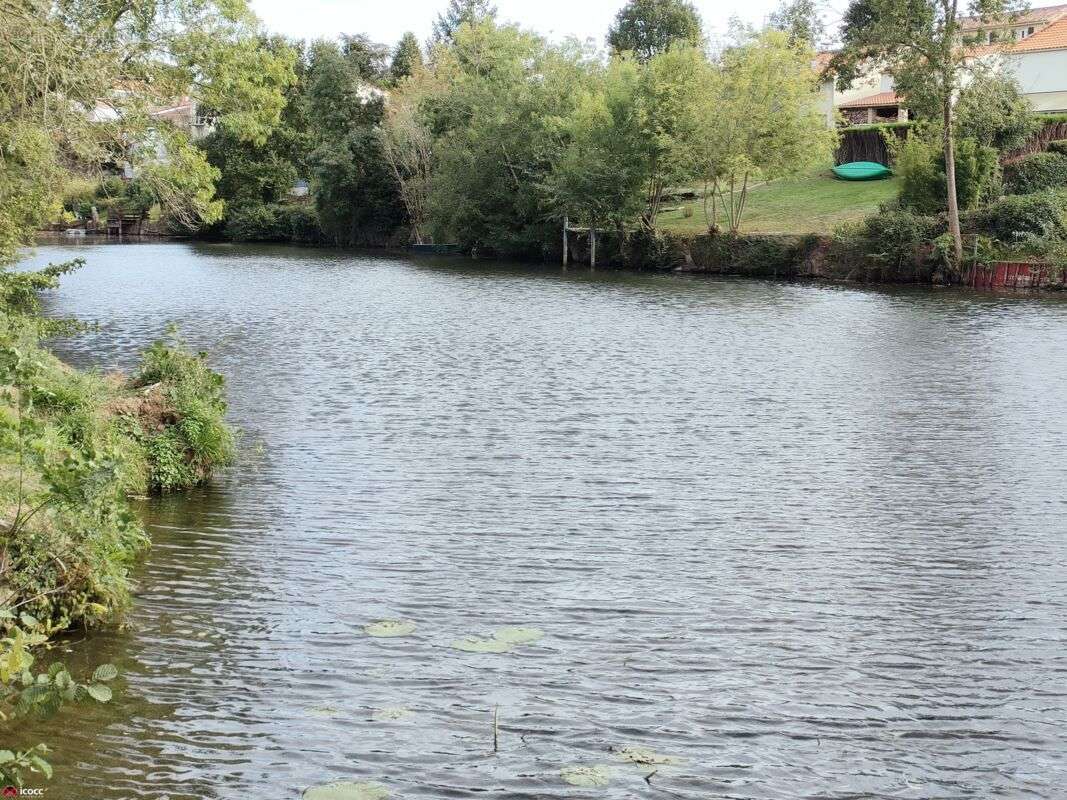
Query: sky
pixel 387 20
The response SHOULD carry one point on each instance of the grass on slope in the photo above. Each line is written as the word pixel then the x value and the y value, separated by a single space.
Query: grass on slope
pixel 815 203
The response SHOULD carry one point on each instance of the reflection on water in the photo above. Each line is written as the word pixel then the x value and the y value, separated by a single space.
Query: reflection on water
pixel 809 539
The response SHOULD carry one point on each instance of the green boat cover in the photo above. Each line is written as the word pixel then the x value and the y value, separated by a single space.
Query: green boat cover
pixel 862 171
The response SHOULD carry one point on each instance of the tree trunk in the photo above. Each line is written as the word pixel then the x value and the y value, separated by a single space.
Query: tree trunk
pixel 950 179
pixel 566 243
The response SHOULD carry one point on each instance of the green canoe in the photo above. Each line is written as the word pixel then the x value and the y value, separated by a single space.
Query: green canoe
pixel 862 171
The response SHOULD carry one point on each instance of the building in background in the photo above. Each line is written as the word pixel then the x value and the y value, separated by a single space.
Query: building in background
pixel 1031 47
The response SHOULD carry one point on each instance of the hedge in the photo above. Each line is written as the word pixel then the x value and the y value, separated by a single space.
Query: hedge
pixel 1036 173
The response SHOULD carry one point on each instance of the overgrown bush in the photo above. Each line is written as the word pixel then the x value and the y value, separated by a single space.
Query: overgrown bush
pixel 1016 217
pixel 920 161
pixel 1036 173
pixel 1058 146
pixel 275 222
pixel 254 223
pixel 653 249
pixel 187 436
pixel 748 255
pixel 895 245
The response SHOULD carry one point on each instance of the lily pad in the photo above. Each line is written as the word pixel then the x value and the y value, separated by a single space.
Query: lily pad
pixel 646 757
pixel 476 644
pixel 391 714
pixel 587 777
pixel 390 628
pixel 347 790
pixel 519 635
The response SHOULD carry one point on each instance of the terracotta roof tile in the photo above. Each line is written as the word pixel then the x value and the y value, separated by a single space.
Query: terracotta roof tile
pixel 874 101
pixel 1028 17
pixel 1054 37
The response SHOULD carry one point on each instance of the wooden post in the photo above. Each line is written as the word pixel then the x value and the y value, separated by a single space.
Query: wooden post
pixel 566 251
pixel 592 247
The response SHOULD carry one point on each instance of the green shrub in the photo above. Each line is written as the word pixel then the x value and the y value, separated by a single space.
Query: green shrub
pixel 1016 217
pixel 896 236
pixel 111 186
pixel 1036 173
pixel 1058 146
pixel 764 255
pixel 254 223
pixel 301 222
pixel 278 222
pixel 658 249
pixel 80 197
pixel 138 198
pixel 920 161
pixel 195 438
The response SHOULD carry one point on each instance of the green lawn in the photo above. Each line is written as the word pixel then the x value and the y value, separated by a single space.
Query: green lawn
pixel 815 203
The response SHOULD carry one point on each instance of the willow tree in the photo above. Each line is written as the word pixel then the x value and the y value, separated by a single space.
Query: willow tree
pixel 761 122
pixel 79 80
pixel 923 44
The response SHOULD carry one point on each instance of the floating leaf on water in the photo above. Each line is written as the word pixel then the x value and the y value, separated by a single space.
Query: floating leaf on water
pixel 587 777
pixel 476 644
pixel 346 790
pixel 389 628
pixel 519 635
pixel 323 711
pixel 99 692
pixel 105 673
pixel 391 714
pixel 646 757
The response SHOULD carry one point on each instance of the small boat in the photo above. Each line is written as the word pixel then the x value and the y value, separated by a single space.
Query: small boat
pixel 862 171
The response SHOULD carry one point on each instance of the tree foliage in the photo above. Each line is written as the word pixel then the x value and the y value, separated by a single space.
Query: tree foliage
pixel 647 28
pixel 802 20
pixel 407 58
pixel 459 13
pixel 992 110
pixel 355 195
pixel 761 121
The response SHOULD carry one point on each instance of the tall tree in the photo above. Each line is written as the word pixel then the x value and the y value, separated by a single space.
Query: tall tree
pixel 649 27
pixel 355 195
pixel 603 167
pixel 801 19
pixel 922 44
pixel 761 122
pixel 407 58
pixel 460 12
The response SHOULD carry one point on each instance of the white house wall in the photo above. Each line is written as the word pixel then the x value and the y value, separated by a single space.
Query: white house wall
pixel 1042 77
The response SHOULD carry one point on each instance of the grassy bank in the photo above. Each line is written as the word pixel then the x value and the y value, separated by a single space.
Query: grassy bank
pixel 816 203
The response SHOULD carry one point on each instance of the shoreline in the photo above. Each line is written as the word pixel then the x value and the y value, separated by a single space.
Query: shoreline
pixel 779 257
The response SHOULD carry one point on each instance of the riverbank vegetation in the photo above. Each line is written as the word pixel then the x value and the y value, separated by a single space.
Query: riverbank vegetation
pixel 494 137
pixel 77 85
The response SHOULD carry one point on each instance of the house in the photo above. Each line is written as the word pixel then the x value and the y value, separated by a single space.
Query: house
pixel 1030 46
pixel 186 115
pixel 869 99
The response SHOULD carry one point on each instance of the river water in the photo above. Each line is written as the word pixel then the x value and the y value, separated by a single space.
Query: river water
pixel 810 539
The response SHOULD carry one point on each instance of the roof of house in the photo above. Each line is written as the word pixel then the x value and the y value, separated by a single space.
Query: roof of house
pixel 1030 16
pixel 874 101
pixel 1054 37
